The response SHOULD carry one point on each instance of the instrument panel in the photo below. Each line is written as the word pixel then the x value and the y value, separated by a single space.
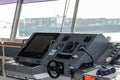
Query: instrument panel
pixel 62 54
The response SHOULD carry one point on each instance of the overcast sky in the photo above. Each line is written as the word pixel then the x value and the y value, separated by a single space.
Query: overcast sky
pixel 99 9
pixel 87 9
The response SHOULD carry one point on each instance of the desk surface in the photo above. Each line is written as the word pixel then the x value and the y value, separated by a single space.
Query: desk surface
pixel 6 78
pixel 113 75
pixel 60 78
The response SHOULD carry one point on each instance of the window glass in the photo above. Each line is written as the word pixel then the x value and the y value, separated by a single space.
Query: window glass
pixel 99 16
pixel 7 12
pixel 44 17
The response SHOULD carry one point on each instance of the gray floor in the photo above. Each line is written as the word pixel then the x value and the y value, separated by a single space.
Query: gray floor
pixel 60 78
pixel 4 78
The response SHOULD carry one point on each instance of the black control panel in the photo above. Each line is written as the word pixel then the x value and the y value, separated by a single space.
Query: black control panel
pixel 36 48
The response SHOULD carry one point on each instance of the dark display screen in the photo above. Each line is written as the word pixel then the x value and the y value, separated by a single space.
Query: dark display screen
pixel 38 45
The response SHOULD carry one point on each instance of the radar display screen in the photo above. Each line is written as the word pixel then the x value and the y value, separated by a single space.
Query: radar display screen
pixel 38 45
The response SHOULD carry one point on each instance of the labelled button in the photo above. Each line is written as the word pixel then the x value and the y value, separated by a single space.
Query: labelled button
pixel 108 59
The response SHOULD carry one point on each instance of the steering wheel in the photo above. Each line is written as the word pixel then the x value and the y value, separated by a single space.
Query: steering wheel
pixel 53 69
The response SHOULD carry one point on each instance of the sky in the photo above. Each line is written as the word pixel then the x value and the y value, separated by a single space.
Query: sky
pixel 87 9
pixel 99 9
pixel 7 12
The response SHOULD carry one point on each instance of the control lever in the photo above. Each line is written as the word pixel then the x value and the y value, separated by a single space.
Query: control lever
pixel 54 68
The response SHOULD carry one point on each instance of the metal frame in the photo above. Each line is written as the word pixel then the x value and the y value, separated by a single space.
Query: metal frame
pixel 16 20
pixel 17 17
pixel 74 16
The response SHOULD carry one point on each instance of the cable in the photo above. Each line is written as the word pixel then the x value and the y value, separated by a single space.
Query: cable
pixel 83 49
pixel 73 71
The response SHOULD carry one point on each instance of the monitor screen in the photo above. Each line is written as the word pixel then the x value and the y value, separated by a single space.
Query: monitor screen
pixel 38 45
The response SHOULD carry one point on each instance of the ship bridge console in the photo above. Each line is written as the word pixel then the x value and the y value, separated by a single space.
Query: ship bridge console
pixel 62 54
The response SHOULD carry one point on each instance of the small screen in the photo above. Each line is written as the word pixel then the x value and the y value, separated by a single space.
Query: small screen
pixel 38 45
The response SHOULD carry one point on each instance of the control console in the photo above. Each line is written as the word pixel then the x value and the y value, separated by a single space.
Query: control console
pixel 55 54
pixel 75 51
pixel 28 62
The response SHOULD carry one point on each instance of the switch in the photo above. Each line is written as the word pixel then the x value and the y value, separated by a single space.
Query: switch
pixel 75 56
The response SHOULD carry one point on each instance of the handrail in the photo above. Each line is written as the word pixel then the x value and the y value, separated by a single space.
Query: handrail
pixel 11 43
